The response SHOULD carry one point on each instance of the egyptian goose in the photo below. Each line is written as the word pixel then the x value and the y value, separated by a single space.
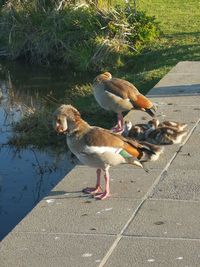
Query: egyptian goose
pixel 119 95
pixel 100 148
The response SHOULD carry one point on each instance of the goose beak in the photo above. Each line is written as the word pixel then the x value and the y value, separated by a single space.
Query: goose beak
pixel 59 129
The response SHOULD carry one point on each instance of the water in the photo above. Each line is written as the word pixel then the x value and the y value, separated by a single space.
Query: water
pixel 26 176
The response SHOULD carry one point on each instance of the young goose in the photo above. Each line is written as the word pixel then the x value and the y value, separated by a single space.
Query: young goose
pixel 119 95
pixel 164 136
pixel 154 123
pixel 153 132
pixel 100 148
pixel 136 131
pixel 127 127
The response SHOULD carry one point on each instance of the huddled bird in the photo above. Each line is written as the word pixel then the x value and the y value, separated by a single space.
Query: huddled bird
pixel 119 95
pixel 179 126
pixel 136 131
pixel 100 148
pixel 155 132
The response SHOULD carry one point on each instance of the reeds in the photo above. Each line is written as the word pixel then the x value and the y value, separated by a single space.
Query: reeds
pixel 79 35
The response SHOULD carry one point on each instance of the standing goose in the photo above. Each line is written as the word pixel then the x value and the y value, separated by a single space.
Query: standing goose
pixel 119 95
pixel 100 148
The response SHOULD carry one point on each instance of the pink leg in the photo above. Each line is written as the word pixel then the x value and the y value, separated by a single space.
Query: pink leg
pixel 97 188
pixel 106 193
pixel 119 127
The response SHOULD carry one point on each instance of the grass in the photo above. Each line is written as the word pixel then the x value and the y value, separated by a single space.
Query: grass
pixel 175 16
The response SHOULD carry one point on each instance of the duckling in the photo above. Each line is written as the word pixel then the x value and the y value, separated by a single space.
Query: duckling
pixel 164 136
pixel 127 127
pixel 135 131
pixel 154 123
pixel 120 95
pixel 177 125
pixel 100 148
pixel 153 133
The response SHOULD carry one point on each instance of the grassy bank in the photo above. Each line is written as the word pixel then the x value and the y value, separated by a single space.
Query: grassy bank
pixel 83 37
pixel 180 24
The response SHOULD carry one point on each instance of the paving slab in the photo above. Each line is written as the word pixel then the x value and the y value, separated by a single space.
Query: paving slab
pixel 167 218
pixel 174 101
pixel 182 184
pixel 179 81
pixel 78 215
pixel 178 84
pixel 125 181
pixel 189 67
pixel 186 114
pixel 188 157
pixel 33 249
pixel 139 252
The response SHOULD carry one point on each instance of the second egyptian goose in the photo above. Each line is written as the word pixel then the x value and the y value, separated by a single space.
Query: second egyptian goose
pixel 100 148
pixel 119 95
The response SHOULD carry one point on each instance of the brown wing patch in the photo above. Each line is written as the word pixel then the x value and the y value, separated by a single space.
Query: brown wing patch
pixel 121 88
pixel 125 85
pixel 115 89
pixel 143 102
pixel 100 137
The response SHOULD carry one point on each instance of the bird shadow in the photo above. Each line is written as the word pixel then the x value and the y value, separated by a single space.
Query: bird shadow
pixel 68 194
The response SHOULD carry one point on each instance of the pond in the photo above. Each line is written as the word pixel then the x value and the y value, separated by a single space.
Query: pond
pixel 26 175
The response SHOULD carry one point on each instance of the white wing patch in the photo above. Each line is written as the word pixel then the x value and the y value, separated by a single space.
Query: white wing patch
pixel 101 149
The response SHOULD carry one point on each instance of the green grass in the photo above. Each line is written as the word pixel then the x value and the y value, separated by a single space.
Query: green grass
pixel 176 16
pixel 180 39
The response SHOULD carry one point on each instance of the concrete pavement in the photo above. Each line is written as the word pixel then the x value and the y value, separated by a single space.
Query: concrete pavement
pixel 151 219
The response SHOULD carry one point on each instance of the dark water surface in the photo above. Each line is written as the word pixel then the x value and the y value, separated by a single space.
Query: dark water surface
pixel 26 176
